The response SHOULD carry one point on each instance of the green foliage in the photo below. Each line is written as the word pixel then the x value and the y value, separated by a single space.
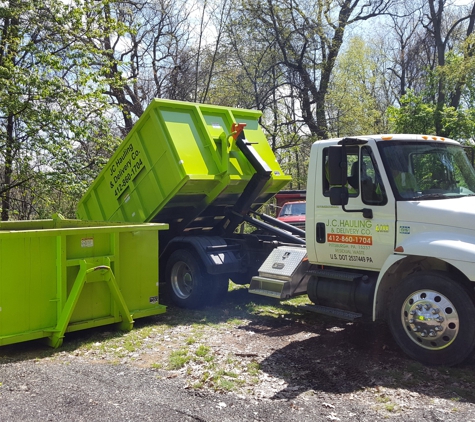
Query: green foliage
pixel 54 128
pixel 356 105
pixel 417 116
pixel 413 116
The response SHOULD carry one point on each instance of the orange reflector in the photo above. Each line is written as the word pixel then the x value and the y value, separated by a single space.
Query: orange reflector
pixel 434 138
pixel 399 249
pixel 425 137
pixel 386 138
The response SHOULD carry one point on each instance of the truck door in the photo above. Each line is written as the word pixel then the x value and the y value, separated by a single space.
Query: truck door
pixel 347 238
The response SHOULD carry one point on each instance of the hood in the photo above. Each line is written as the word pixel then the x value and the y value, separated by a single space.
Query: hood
pixel 455 212
pixel 292 218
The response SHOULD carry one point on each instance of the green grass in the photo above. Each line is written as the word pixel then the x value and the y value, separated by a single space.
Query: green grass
pixel 202 351
pixel 178 359
pixel 253 368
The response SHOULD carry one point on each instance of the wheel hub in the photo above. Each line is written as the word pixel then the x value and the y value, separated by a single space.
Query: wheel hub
pixel 182 280
pixel 431 320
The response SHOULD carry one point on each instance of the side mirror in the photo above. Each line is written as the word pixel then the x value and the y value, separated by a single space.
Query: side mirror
pixel 337 165
pixel 339 195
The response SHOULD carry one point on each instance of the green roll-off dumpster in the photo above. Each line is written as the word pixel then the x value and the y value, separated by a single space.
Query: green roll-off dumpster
pixel 204 170
pixel 179 162
pixel 59 275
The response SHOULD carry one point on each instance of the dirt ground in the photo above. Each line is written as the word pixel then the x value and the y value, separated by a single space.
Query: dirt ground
pixel 248 359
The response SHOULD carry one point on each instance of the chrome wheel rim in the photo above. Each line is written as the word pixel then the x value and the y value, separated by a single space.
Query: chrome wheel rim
pixel 430 319
pixel 182 280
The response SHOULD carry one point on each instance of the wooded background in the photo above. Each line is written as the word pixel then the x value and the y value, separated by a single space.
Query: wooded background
pixel 76 74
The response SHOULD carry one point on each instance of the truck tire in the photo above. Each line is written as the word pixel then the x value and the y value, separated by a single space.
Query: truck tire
pixel 186 282
pixel 432 318
pixel 189 286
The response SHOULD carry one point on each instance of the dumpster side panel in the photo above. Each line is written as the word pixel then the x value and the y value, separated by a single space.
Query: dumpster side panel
pixel 26 305
pixel 138 267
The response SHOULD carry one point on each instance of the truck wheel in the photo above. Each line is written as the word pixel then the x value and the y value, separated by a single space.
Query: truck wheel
pixel 186 281
pixel 312 290
pixel 432 318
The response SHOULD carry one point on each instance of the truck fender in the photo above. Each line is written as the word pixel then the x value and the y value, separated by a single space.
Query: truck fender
pixel 456 250
pixel 441 245
pixel 214 253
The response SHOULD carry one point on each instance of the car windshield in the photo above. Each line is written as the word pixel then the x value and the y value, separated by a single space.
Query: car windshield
pixel 293 209
pixel 427 170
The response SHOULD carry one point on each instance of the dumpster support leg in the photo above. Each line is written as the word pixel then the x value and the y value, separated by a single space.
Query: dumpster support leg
pixel 56 339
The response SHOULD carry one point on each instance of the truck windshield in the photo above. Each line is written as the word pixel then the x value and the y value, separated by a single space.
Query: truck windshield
pixel 293 209
pixel 427 170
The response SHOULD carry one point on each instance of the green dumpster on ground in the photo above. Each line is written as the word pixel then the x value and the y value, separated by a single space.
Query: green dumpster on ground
pixel 63 275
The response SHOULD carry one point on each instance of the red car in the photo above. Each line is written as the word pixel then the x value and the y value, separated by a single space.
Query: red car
pixel 293 213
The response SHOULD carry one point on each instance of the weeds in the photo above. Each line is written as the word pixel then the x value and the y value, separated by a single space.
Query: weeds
pixel 178 359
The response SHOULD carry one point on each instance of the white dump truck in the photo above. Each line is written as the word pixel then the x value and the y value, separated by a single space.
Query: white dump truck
pixel 390 227
pixel 390 234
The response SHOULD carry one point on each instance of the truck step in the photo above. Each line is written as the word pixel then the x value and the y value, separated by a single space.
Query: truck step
pixel 268 287
pixel 279 289
pixel 336 275
pixel 268 293
pixel 334 312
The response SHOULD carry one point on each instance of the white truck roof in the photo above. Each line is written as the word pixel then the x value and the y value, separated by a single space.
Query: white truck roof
pixel 399 137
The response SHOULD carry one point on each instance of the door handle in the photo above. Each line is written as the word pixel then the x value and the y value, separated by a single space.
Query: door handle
pixel 321 233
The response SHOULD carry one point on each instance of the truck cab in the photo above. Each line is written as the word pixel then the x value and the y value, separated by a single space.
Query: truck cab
pixel 390 235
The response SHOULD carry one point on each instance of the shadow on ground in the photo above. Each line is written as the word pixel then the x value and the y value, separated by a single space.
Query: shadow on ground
pixel 344 357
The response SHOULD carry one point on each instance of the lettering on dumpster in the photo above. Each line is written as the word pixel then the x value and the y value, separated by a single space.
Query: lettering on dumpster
pixel 124 169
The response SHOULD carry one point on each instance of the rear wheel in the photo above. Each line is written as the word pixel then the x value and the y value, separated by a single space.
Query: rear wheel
pixel 432 318
pixel 189 285
pixel 186 284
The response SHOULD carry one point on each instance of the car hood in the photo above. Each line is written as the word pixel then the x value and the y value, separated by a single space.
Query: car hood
pixel 292 218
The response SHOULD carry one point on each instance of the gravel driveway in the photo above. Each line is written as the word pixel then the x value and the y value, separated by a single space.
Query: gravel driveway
pixel 239 362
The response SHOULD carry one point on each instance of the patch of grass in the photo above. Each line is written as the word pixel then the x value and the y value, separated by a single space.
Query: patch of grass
pixel 178 359
pixel 390 407
pixel 202 351
pixel 383 399
pixel 156 366
pixel 253 368
pixel 234 322
pixel 190 340
pixel 225 384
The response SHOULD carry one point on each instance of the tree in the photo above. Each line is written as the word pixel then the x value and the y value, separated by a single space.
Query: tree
pixel 356 101
pixel 417 116
pixel 52 129
pixel 147 56
pixel 413 116
pixel 443 27
pixel 308 38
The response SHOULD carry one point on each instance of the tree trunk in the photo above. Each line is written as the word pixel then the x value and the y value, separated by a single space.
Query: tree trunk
pixel 8 170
